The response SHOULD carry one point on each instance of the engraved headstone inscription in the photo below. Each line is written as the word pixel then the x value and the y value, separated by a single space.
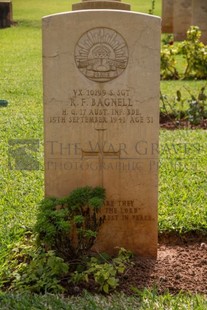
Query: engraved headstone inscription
pixel 101 68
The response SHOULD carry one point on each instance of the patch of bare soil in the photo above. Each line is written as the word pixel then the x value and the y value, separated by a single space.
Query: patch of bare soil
pixel 181 265
pixel 169 122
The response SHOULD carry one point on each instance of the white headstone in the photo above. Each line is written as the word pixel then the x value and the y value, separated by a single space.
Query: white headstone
pixel 101 100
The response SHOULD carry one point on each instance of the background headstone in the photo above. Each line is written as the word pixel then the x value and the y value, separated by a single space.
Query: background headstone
pixel 200 17
pixel 5 13
pixel 101 101
pixel 167 16
pixel 182 18
pixel 185 13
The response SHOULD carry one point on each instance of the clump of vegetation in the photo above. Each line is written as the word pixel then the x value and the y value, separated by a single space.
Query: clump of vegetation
pixel 179 108
pixel 56 254
pixel 195 54
pixel 168 68
pixel 32 269
pixel 191 50
pixel 103 270
pixel 69 225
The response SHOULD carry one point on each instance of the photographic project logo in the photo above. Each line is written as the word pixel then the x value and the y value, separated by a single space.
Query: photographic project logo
pixel 22 154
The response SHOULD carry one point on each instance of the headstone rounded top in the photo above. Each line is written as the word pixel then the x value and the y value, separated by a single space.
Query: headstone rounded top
pixel 101 4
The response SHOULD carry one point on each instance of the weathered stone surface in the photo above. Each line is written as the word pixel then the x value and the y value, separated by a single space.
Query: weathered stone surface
pixel 101 4
pixel 101 101
pixel 187 13
pixel 167 16
pixel 182 18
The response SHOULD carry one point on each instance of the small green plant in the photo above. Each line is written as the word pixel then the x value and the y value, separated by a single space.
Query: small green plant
pixel 69 225
pixel 192 50
pixel 42 274
pixel 168 64
pixel 195 53
pixel 167 39
pixel 179 108
pixel 197 110
pixel 32 269
pixel 172 108
pixel 104 271
pixel 65 230
pixel 152 9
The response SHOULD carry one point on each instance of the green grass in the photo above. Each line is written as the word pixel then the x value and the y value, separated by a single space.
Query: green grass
pixel 183 163
pixel 21 85
pixel 182 181
pixel 147 300
pixel 170 87
pixel 144 6
pixel 39 8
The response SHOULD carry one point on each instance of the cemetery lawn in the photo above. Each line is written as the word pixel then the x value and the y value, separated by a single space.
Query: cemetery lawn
pixel 145 300
pixel 182 176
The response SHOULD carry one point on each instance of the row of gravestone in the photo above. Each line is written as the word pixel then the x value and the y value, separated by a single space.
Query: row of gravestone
pixel 179 15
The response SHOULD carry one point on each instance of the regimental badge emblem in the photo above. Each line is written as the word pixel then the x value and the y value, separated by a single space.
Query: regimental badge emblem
pixel 101 54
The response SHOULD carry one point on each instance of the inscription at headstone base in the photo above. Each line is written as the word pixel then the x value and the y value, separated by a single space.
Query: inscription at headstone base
pixel 101 111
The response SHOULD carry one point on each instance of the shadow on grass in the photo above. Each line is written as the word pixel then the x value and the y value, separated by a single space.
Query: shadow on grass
pixel 28 23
